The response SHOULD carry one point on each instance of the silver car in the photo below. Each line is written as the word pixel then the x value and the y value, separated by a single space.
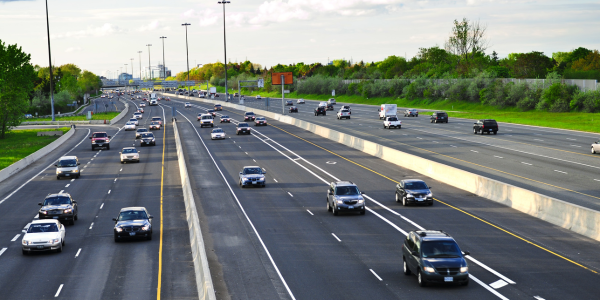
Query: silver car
pixel 252 176
pixel 217 134
pixel 67 166
pixel 596 147
pixel 129 154
pixel 300 101
pixel 411 112
pixel 331 101
pixel 135 121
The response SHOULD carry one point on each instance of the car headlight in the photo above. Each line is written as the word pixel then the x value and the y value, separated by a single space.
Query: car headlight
pixel 93 142
pixel 75 171
pixel 153 139
pixel 261 179
pixel 429 195
pixel 43 212
pixel 340 202
pixel 25 242
pixel 464 269
pixel 54 241
pixel 244 179
pixel 409 195
pixel 429 269
pixel 118 229
pixel 68 211
pixel 145 228
pixel 361 201
pixel 58 172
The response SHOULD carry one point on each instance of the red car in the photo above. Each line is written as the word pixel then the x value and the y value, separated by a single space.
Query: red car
pixel 99 140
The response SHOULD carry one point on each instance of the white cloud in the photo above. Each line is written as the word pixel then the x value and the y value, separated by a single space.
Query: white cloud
pixel 73 49
pixel 104 30
pixel 154 25
pixel 313 40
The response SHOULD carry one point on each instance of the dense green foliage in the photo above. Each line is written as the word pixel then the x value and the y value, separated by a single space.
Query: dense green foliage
pixel 20 143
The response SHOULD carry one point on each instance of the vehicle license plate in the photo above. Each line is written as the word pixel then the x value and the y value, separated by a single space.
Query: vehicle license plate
pixel 419 199
pixel 448 279
pixel 350 207
pixel 132 233
pixel 148 143
pixel 40 247
pixel 67 174
pixel 489 130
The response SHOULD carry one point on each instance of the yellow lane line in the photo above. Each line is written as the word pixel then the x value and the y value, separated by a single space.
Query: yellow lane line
pixel 458 209
pixel 160 247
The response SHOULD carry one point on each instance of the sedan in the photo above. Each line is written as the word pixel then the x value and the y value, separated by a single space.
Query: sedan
pixel 596 147
pixel 293 109
pixel 329 106
pixel 141 110
pixel 139 132
pixel 154 125
pixel 217 134
pixel 413 191
pixel 252 176
pixel 243 128
pixel 59 207
pixel 157 119
pixel 187 105
pixel 258 97
pixel 260 121
pixel 137 115
pixel 225 119
pixel 212 112
pixel 135 121
pixel 129 154
pixel 249 116
pixel 147 139
pixel 218 107
pixel 133 222
pixel 43 235
pixel 300 101
pixel 289 102
pixel 411 112
pixel 129 126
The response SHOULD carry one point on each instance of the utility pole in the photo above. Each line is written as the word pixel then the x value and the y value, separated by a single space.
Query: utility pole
pixel 164 65
pixel 149 69
pixel 188 57
pixel 50 63
pixel 225 45
pixel 140 53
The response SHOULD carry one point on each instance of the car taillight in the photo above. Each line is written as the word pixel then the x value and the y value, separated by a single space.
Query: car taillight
pixel 482 126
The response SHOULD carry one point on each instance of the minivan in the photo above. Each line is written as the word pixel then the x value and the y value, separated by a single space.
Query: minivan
pixel 67 166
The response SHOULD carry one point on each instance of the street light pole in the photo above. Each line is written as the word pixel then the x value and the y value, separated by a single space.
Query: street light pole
pixel 164 67
pixel 149 69
pixel 187 55
pixel 50 62
pixel 225 45
pixel 140 53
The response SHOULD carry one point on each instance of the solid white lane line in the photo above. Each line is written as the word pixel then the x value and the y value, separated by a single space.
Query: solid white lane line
pixel 102 205
pixel 109 191
pixel 561 172
pixel 538 140
pixel 92 225
pixel 67 185
pixel 36 216
pixel 526 163
pixel 310 212
pixel 452 146
pixel 571 139
pixel 16 237
pixel 469 257
pixel 487 287
pixel 61 191
pixel 597 179
pixel 498 284
pixel 498 156
pixel 474 151
pixel 335 236
pixel 576 146
pixel 375 274
pixel 59 289
pixel 290 194
pixel 275 180
pixel 78 251
pixel 2 251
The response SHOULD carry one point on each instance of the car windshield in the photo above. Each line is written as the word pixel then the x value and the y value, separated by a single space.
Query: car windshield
pixel 67 163
pixel 242 125
pixel 142 130
pixel 137 113
pixel 224 117
pixel 130 123
pixel 217 130
pixel 217 105
pixel 344 110
pixel 249 114
pixel 417 185
pixel 132 120
pixel 147 135
pixel 129 150
pixel 48 227
pixel 392 119
pixel 57 201
pixel 440 249
pixel 210 110
pixel 132 215
pixel 346 190
pixel 206 117
pixel 260 119
pixel 252 171
pixel 156 119
pixel 99 135
pixel 154 123
pixel 187 103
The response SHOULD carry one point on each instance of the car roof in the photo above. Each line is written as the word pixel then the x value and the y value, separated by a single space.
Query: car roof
pixel 249 112
pixel 251 167
pixel 58 195
pixel 209 115
pixel 141 129
pixel 412 180
pixel 433 235
pixel 45 221
pixel 133 208
pixel 68 157
pixel 128 148
pixel 98 132
pixel 156 117
pixel 344 183
pixel 240 123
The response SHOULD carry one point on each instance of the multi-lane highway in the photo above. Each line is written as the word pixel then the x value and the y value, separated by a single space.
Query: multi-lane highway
pixel 281 242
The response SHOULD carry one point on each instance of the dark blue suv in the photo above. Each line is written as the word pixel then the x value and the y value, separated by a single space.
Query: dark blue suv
pixel 434 256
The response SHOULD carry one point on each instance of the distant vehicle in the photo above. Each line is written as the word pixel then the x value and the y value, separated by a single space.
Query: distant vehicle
pixel 321 110
pixel 59 207
pixel 487 125
pixel 99 140
pixel 331 101
pixel 188 105
pixel 243 128
pixel 206 120
pixel 415 191
pixel 139 131
pixel 28 116
pixel 43 235
pixel 129 126
pixel 596 147
pixel 392 122
pixel 252 176
pixel 289 102
pixel 212 112
pixel 135 121
pixel 137 115
pixel 218 107
pixel 153 102
pixel 236 94
pixel 157 119
pixel 411 112
pixel 133 222
pixel 147 139
pixel 154 125
pixel 439 116
pixel 260 121
pixel 343 114
pixel 130 154
pixel 212 90
pixel 225 119
pixel 329 106
pixel 258 97
pixel 387 110
pixel 152 96
pixel 434 256
pixel 249 116
pixel 293 109
pixel 347 107
pixel 67 166
pixel 168 99
pixel 300 101
pixel 344 196
pixel 217 133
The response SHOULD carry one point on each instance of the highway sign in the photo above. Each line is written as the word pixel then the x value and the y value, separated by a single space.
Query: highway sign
pixel 286 91
pixel 261 83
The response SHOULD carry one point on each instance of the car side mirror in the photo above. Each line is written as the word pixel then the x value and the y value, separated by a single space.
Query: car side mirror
pixel 120 153
pixel 40 203
pixel 90 137
pixel 74 201
pixel 109 136
pixel 24 231
pixel 79 164
pixel 114 219
pixel 415 253
pixel 151 217
pixel 466 253
pixel 56 165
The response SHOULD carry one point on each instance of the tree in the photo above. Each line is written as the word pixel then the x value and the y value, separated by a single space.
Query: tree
pixel 528 65
pixel 17 78
pixel 590 62
pixel 467 39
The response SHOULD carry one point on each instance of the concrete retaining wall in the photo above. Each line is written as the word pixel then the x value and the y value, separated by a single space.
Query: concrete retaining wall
pixel 122 114
pixel 579 219
pixel 203 279
pixel 12 169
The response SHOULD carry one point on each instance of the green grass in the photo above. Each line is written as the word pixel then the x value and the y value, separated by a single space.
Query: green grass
pixel 20 143
pixel 96 116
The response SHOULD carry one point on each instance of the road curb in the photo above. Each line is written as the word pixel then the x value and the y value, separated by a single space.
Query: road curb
pixel 204 282
pixel 567 215
pixel 122 114
pixel 31 158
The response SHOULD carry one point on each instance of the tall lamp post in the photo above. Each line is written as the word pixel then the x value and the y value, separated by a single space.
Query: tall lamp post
pixel 132 68
pixel 126 81
pixel 164 72
pixel 50 62
pixel 140 53
pixel 187 55
pixel 225 45
pixel 149 69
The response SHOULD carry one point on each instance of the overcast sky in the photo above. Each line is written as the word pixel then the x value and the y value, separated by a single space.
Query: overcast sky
pixel 102 36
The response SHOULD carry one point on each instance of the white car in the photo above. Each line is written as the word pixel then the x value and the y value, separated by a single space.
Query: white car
pixel 130 154
pixel 596 147
pixel 143 104
pixel 343 114
pixel 390 122
pixel 217 134
pixel 258 97
pixel 137 115
pixel 43 235
pixel 135 121
pixel 129 126
pixel 187 104
pixel 300 101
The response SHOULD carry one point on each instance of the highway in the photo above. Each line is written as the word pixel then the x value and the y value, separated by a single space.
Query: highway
pixel 553 162
pixel 92 265
pixel 283 236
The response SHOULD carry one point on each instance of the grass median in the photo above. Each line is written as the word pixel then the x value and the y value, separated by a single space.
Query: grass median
pixel 18 144
pixel 96 116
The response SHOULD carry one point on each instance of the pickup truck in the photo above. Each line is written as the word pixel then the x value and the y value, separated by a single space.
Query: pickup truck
pixel 343 114
pixel 390 122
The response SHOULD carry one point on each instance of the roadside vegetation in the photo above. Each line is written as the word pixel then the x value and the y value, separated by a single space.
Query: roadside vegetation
pixel 18 144
pixel 96 116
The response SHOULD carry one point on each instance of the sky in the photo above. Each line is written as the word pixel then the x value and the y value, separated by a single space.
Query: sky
pixel 103 36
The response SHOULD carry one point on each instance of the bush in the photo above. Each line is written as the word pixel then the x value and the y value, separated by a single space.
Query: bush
pixel 591 103
pixel 527 103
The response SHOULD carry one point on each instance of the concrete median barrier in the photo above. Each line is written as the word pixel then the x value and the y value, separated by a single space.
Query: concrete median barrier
pixel 576 218
pixel 204 282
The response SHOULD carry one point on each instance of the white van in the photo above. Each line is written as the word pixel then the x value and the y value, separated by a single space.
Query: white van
pixel 67 166
pixel 153 102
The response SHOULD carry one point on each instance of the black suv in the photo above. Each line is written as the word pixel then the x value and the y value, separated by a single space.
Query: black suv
pixel 413 191
pixel 487 125
pixel 439 117
pixel 435 258
pixel 59 206
pixel 320 110
pixel 344 196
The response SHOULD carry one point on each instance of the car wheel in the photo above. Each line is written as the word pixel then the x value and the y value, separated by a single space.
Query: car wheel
pixel 335 212
pixel 348 118
pixel 59 250
pixel 593 151
pixel 406 269
pixel 422 282
pixel 431 203
pixel 149 237
pixel 78 176
pixel 93 148
pixel 121 162
pixel 384 126
pixel 117 239
pixel 58 177
pixel 108 147
pixel 76 217
pixel 325 114
pixel 495 132
pixel 362 212
pixel 399 127
pixel 397 198
pixel 474 131
pixel 404 203
pixel 25 252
